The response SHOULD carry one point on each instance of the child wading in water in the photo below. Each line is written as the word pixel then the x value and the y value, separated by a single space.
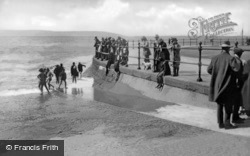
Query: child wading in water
pixel 42 80
pixel 63 78
pixel 49 75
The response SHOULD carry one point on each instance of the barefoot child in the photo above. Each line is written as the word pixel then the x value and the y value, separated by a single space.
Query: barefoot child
pixel 42 80
pixel 49 75
pixel 63 78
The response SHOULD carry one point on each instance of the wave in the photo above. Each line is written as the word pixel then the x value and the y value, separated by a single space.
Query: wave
pixel 18 92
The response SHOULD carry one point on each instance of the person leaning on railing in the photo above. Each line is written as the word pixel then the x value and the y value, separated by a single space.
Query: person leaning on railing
pixel 156 54
pixel 146 50
pixel 176 48
pixel 125 53
pixel 111 60
pixel 164 57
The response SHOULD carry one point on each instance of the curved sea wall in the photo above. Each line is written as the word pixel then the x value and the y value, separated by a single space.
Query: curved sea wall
pixel 179 91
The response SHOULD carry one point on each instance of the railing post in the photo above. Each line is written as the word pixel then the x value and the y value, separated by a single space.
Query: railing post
pixel 199 64
pixel 139 56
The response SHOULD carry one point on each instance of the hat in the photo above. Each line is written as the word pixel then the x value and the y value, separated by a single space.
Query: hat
pixel 41 70
pixel 173 38
pixel 144 38
pixel 226 44
pixel 238 51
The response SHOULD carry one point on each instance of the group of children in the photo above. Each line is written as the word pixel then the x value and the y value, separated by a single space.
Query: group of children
pixel 45 76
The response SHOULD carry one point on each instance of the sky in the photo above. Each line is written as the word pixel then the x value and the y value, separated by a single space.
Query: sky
pixel 126 17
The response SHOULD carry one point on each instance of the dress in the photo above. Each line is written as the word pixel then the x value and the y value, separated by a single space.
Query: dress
pixel 146 52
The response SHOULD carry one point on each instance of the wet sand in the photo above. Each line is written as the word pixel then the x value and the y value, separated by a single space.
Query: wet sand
pixel 93 128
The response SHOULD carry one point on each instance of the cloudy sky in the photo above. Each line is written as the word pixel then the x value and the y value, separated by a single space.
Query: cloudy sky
pixel 127 17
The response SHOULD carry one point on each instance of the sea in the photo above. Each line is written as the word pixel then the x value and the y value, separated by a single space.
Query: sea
pixel 21 102
pixel 22 56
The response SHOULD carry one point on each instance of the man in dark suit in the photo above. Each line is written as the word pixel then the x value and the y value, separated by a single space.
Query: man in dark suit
pixel 223 69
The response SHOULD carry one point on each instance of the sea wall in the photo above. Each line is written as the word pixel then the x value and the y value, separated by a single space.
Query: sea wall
pixel 144 82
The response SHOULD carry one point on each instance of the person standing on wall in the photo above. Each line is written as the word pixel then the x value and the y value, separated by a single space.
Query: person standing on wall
pixel 223 69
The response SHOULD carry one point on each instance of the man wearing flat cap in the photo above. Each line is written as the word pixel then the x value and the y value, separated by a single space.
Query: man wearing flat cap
pixel 223 69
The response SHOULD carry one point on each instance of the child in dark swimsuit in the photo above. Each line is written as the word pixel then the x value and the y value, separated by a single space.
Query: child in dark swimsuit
pixel 42 81
pixel 49 75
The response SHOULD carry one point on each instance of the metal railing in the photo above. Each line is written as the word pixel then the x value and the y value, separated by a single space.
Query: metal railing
pixel 199 48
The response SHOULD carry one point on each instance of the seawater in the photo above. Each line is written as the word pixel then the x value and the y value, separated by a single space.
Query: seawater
pixel 22 56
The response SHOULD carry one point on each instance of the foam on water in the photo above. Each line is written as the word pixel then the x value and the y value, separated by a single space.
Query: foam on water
pixel 83 88
pixel 18 92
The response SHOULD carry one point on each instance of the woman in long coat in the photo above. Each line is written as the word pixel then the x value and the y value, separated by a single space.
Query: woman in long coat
pixel 246 88
pixel 165 57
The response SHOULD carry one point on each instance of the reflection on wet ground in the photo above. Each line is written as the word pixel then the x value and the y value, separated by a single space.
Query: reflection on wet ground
pixel 77 91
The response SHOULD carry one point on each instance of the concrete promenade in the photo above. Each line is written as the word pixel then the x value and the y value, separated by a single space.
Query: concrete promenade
pixel 192 105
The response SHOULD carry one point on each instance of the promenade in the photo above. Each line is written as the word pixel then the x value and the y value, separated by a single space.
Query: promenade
pixel 189 99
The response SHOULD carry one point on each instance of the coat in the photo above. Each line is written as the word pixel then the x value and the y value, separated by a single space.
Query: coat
pixel 246 86
pixel 74 71
pixel 146 50
pixel 176 54
pixel 164 54
pixel 223 69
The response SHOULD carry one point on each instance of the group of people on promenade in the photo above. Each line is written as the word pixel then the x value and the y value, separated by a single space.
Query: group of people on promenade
pixel 162 57
pixel 230 83
pixel 45 76
pixel 115 51
pixel 230 86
